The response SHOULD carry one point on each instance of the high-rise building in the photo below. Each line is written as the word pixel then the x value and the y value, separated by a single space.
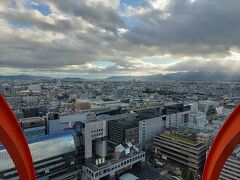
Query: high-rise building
pixel 120 132
pixel 148 128
pixel 197 120
pixel 176 115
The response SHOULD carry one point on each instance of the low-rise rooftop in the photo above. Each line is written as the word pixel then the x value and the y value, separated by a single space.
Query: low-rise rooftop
pixel 180 138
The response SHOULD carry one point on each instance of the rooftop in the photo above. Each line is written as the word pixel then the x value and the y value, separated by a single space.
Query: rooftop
pixel 112 161
pixel 31 119
pixel 183 139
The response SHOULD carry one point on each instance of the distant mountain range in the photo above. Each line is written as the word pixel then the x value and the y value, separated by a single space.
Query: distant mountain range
pixel 182 76
pixel 23 77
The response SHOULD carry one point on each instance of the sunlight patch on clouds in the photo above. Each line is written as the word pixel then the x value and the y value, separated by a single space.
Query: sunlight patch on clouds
pixel 160 4
pixel 122 30
pixel 108 3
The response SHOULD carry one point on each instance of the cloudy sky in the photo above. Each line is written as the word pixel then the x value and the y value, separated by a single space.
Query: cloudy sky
pixel 101 38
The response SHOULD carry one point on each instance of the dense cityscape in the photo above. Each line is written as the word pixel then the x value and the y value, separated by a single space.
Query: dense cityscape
pixel 119 89
pixel 88 129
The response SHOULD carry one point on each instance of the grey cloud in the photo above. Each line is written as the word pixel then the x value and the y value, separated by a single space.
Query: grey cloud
pixel 204 28
pixel 200 28
pixel 102 16
pixel 205 65
pixel 19 52
pixel 29 18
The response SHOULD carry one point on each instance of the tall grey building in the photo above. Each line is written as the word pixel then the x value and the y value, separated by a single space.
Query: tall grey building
pixel 121 132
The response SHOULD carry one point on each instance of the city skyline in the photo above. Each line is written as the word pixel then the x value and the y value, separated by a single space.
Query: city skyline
pixel 98 39
pixel 79 129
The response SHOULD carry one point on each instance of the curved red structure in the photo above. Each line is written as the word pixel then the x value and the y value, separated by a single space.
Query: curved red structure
pixel 226 140
pixel 12 137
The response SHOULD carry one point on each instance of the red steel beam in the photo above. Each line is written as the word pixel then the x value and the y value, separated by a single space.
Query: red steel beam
pixel 226 140
pixel 12 137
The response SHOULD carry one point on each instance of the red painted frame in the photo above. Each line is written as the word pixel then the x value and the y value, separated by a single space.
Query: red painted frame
pixel 226 140
pixel 12 137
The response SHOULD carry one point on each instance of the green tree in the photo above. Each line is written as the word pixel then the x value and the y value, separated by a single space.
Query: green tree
pixel 191 177
pixel 184 174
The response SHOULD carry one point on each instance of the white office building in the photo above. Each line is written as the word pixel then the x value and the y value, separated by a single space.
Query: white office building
pixel 178 119
pixel 148 128
pixel 198 120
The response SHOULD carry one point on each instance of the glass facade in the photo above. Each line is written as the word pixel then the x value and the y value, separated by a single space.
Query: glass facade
pixel 34 132
pixel 42 148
